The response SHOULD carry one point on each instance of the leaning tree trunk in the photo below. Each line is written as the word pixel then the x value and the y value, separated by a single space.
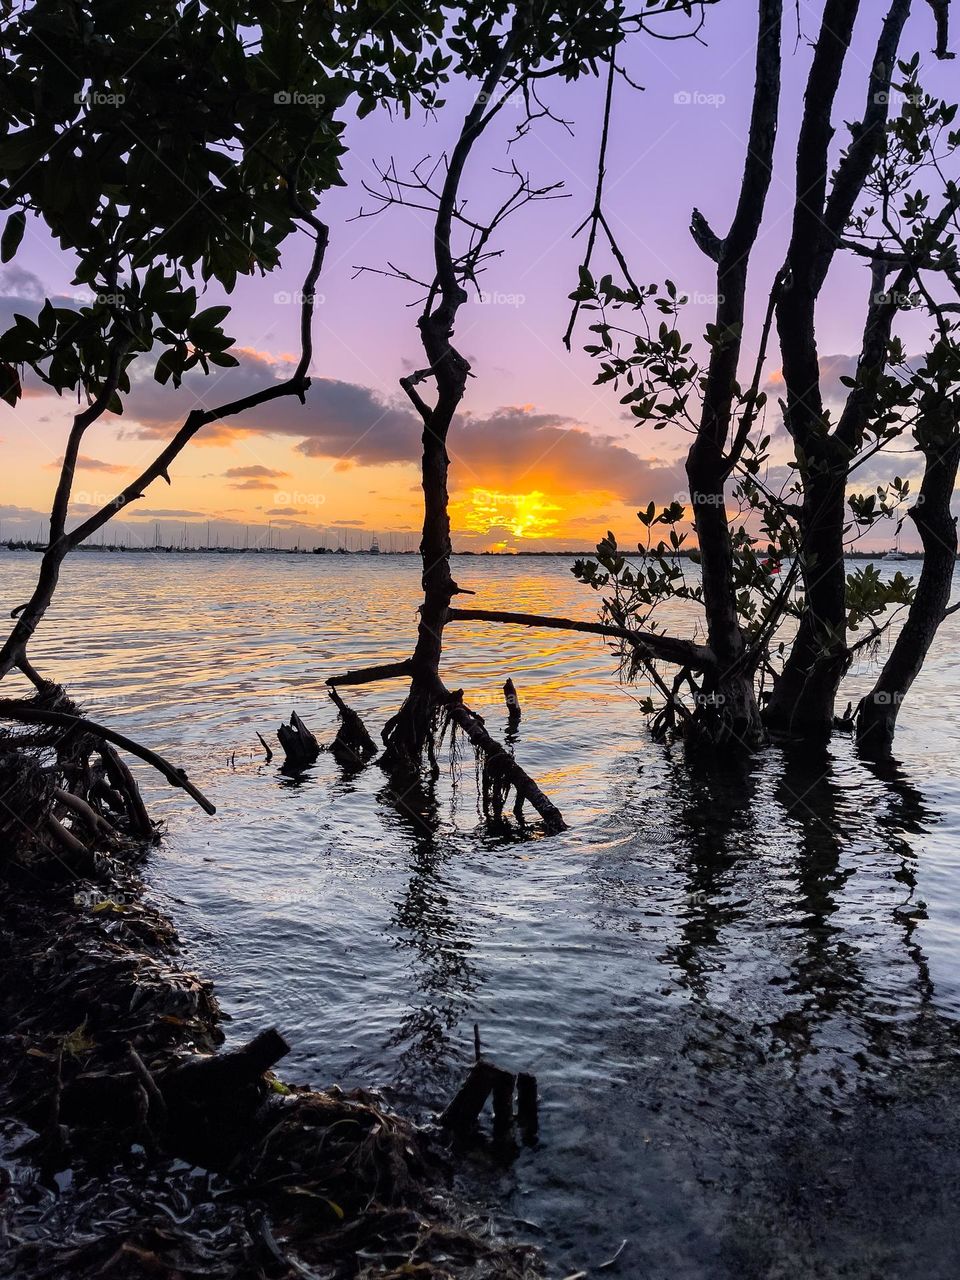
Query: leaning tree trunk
pixel 878 711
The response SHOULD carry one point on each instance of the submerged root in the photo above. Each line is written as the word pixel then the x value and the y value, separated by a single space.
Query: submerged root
pixel 422 722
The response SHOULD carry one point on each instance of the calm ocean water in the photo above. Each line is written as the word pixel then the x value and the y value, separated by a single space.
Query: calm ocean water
pixel 740 993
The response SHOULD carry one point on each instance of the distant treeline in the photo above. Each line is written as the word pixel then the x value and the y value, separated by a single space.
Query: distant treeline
pixel 14 544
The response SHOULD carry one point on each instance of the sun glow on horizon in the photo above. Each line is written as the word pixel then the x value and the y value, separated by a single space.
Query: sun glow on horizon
pixel 525 515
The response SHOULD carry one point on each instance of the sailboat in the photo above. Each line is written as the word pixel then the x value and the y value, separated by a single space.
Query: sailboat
pixel 895 553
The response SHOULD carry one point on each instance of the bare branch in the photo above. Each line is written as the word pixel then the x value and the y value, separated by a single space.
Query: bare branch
pixel 670 649
pixel 367 675
pixel 597 211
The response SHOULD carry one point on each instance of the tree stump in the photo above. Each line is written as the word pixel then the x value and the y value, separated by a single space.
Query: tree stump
pixel 486 1079
pixel 300 747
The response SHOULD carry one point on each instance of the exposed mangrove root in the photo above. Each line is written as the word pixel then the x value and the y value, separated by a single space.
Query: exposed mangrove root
pixel 127 793
pixel 500 771
pixel 514 710
pixel 67 791
pixel 420 724
pixel 300 747
pixel 487 1080
pixel 352 746
pixel 33 713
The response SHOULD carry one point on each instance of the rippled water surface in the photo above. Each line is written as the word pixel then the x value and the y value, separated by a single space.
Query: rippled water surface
pixel 740 992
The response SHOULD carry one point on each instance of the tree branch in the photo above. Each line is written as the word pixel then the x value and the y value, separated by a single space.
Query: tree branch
pixel 668 648
pixel 368 675
pixel 10 709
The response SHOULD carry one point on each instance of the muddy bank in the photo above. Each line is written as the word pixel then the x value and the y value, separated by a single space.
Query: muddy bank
pixel 133 1145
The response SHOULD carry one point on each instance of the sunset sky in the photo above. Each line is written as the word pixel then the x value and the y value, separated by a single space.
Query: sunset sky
pixel 542 459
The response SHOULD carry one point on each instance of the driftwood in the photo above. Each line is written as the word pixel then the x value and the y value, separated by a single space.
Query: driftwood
pixel 200 1107
pixel 300 747
pixel 501 773
pixel 203 1080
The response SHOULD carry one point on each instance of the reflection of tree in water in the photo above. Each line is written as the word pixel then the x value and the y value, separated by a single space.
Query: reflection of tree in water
pixel 430 923
pixel 793 806
pixel 905 811
pixel 825 975
pixel 713 803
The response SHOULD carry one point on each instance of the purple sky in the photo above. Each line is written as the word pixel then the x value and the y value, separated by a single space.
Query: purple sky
pixel 665 157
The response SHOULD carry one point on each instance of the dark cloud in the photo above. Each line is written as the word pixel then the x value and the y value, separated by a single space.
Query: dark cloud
pixel 10 512
pixel 339 420
pixel 16 283
pixel 514 449
pixel 21 292
pixel 832 369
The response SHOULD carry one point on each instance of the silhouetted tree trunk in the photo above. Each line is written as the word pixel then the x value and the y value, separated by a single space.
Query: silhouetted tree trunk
pixel 407 734
pixel 878 711
pixel 731 712
pixel 804 696
pixel 411 733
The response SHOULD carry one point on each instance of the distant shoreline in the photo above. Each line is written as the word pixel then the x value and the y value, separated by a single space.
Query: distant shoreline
pixel 37 547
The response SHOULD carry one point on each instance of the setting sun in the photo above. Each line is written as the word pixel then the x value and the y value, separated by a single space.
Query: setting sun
pixel 526 515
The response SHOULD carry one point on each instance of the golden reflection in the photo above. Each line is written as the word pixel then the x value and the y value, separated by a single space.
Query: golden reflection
pixel 525 515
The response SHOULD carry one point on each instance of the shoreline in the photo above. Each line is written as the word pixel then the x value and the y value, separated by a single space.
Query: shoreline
pixel 116 1156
